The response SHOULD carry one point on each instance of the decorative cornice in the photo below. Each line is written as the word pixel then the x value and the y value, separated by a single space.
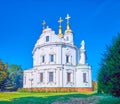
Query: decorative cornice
pixel 59 65
pixel 53 43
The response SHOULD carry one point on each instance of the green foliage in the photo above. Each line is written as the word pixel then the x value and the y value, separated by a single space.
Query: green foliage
pixel 109 100
pixel 3 72
pixel 14 78
pixel 11 77
pixel 94 85
pixel 109 74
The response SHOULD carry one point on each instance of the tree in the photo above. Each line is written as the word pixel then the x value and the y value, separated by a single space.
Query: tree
pixel 109 74
pixel 14 78
pixel 94 85
pixel 3 72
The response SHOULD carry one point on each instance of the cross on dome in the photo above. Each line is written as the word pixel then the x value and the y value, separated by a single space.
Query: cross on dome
pixel 43 24
pixel 67 18
pixel 60 20
pixel 60 27
pixel 68 23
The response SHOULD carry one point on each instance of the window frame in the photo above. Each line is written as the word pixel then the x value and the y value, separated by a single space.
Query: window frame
pixel 67 58
pixel 51 76
pixel 67 38
pixel 41 77
pixel 84 77
pixel 47 38
pixel 68 77
pixel 43 58
pixel 52 58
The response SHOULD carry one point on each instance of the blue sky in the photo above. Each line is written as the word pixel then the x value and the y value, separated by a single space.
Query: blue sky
pixel 95 21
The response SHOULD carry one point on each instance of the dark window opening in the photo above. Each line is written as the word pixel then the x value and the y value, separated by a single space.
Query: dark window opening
pixel 41 77
pixel 50 76
pixel 67 38
pixel 67 59
pixel 47 38
pixel 84 77
pixel 68 77
pixel 43 59
pixel 51 58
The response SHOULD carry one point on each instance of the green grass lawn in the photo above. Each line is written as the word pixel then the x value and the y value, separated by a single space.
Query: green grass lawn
pixel 55 98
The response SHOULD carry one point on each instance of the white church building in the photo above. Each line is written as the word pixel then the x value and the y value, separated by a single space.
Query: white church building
pixel 57 62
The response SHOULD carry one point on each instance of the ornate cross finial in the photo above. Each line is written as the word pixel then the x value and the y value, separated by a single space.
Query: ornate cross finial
pixel 68 18
pixel 68 23
pixel 60 21
pixel 43 24
pixel 60 27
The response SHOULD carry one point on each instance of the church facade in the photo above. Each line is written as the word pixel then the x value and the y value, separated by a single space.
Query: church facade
pixel 57 62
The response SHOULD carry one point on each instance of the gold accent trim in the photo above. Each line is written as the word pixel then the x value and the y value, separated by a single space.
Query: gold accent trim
pixel 61 35
pixel 60 27
pixel 68 24
pixel 60 21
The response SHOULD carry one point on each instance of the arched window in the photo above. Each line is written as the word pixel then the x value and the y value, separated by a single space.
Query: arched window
pixel 68 77
pixel 84 77
pixel 47 38
pixel 67 38
pixel 41 77
pixel 43 59
pixel 50 76
pixel 67 58
pixel 51 58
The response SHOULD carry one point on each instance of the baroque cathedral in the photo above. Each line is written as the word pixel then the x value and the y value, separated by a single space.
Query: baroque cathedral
pixel 57 62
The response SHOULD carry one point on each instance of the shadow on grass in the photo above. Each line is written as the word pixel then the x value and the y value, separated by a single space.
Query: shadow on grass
pixel 65 99
pixel 5 102
pixel 58 99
